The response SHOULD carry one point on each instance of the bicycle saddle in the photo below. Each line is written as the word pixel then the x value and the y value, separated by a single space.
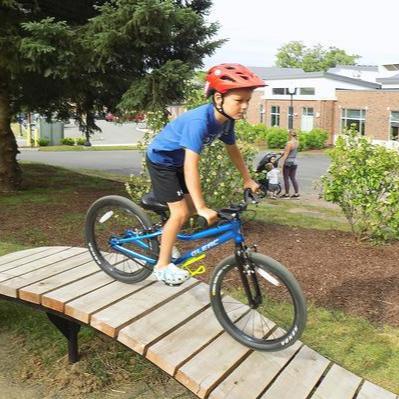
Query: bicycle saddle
pixel 150 202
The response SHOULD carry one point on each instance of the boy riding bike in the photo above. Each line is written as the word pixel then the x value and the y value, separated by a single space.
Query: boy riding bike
pixel 174 154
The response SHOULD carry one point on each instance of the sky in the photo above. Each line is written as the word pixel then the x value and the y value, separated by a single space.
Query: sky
pixel 256 29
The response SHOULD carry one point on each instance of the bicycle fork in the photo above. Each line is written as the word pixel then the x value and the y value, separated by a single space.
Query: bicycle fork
pixel 248 277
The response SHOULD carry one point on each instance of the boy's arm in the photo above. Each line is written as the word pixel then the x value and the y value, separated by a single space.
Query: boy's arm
pixel 193 183
pixel 236 157
pixel 192 177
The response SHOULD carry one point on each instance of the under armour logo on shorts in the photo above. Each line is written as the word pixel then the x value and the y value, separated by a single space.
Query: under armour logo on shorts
pixel 180 193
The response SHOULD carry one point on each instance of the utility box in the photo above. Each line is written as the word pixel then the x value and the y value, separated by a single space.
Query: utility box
pixel 53 131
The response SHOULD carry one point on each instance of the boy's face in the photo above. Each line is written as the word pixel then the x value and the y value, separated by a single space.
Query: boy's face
pixel 236 102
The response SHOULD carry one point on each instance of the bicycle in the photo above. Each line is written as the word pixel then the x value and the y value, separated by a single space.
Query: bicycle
pixel 254 297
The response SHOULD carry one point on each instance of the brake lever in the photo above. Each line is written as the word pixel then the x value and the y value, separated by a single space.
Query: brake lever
pixel 226 216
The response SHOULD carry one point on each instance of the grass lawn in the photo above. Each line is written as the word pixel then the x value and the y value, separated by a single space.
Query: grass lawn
pixel 50 211
pixel 302 213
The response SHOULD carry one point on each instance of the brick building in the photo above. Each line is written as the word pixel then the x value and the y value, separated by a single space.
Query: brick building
pixel 375 113
pixel 331 101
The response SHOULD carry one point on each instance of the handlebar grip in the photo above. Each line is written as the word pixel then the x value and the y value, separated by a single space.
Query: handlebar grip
pixel 250 196
pixel 202 222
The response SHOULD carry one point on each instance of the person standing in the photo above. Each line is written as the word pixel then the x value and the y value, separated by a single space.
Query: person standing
pixel 290 165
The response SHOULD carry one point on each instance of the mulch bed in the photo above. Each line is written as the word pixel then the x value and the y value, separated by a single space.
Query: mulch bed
pixel 333 269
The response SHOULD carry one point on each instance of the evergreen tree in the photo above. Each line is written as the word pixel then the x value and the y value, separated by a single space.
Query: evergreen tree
pixel 75 58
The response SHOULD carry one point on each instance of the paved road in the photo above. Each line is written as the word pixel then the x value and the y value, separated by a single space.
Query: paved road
pixel 311 165
pixel 111 134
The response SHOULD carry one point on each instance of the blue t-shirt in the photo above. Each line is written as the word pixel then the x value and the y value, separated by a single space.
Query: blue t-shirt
pixel 191 130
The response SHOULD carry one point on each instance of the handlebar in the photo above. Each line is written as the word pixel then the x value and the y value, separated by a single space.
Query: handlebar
pixel 231 212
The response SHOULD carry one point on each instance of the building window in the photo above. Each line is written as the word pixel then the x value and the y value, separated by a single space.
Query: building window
pixel 279 91
pixel 307 111
pixel 275 116
pixel 307 91
pixel 394 124
pixel 261 113
pixel 355 117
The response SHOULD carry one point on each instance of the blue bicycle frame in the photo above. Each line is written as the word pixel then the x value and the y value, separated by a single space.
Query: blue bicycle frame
pixel 230 230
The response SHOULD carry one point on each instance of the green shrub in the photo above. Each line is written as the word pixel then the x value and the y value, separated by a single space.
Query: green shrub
pixel 251 133
pixel 43 142
pixel 221 183
pixel 220 180
pixel 68 141
pixel 302 141
pixel 138 185
pixel 363 179
pixel 80 141
pixel 316 139
pixel 276 137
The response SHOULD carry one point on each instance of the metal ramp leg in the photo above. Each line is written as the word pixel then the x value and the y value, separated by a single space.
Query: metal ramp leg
pixel 70 330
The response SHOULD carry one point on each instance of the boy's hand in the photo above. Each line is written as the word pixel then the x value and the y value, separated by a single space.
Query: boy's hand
pixel 253 185
pixel 209 214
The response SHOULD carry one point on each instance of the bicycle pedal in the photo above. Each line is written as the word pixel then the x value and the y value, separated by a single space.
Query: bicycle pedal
pixel 199 270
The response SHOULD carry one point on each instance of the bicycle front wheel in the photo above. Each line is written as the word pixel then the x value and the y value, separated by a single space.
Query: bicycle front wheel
pixel 262 307
pixel 113 218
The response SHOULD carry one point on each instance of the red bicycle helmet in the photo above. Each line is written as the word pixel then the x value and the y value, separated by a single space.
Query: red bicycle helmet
pixel 226 77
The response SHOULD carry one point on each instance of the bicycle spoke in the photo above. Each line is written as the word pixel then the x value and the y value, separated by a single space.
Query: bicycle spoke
pixel 111 222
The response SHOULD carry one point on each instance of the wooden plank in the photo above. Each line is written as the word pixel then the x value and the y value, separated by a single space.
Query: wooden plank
pixel 254 374
pixel 110 320
pixel 205 370
pixel 83 307
pixel 33 292
pixel 10 287
pixel 173 350
pixel 30 258
pixel 372 391
pixel 38 264
pixel 337 384
pixel 57 298
pixel 141 333
pixel 20 254
pixel 299 378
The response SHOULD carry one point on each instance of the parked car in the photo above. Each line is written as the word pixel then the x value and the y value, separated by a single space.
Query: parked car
pixel 109 117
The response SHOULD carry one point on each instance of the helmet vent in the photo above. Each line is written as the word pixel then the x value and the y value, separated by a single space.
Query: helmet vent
pixel 227 78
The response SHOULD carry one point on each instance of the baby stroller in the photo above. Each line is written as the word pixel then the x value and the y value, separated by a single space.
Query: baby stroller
pixel 273 158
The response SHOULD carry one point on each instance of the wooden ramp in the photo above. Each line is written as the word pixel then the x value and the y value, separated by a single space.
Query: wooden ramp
pixel 174 328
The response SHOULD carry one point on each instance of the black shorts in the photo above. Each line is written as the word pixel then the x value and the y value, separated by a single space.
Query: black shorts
pixel 168 183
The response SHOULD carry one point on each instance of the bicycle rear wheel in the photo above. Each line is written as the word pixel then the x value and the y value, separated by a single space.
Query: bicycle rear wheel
pixel 277 316
pixel 114 217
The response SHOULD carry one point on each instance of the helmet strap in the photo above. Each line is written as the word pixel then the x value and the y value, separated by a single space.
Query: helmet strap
pixel 220 108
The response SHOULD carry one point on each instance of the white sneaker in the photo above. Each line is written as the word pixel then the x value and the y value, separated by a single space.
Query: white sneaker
pixel 171 274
